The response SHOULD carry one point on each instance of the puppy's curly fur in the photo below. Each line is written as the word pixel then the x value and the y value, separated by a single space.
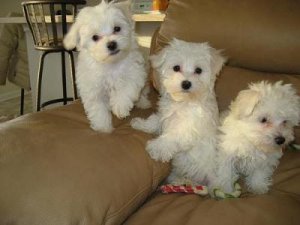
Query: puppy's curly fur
pixel 187 116
pixel 258 125
pixel 111 70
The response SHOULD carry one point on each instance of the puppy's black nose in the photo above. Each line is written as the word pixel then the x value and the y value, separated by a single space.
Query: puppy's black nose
pixel 112 45
pixel 279 140
pixel 186 85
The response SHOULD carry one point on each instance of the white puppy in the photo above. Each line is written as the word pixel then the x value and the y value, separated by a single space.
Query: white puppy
pixel 187 117
pixel 259 124
pixel 111 70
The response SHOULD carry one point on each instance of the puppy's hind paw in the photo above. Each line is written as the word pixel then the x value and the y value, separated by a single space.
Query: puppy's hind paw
pixel 258 188
pixel 143 103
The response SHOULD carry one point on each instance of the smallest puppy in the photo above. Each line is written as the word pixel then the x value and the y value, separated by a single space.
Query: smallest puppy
pixel 258 125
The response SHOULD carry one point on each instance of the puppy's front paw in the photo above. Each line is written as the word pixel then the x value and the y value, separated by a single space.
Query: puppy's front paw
pixel 102 128
pixel 137 123
pixel 158 151
pixel 122 110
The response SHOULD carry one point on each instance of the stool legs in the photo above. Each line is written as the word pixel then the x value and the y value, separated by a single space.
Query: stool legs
pixel 73 74
pixel 65 99
pixel 39 81
pixel 22 102
pixel 64 81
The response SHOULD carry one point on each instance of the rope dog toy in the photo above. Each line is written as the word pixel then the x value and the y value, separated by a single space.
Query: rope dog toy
pixel 189 189
pixel 201 190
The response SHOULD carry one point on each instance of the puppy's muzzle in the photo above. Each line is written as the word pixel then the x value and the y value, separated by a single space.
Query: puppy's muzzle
pixel 279 140
pixel 186 85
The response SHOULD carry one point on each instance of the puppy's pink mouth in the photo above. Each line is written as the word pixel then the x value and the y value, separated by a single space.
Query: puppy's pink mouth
pixel 115 52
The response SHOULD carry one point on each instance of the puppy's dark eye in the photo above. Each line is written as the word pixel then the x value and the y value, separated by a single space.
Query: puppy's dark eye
pixel 96 37
pixel 198 70
pixel 284 122
pixel 176 68
pixel 263 120
pixel 117 29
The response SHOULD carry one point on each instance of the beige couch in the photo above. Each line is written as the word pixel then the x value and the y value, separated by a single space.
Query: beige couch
pixel 54 170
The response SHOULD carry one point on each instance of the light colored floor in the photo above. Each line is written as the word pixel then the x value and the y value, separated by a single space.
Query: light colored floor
pixel 10 109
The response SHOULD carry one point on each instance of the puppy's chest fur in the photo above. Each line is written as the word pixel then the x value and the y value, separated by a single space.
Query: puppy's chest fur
pixel 187 120
pixel 106 77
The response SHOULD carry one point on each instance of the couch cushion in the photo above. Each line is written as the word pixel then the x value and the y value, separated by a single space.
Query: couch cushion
pixel 258 35
pixel 279 207
pixel 55 170
pixel 233 79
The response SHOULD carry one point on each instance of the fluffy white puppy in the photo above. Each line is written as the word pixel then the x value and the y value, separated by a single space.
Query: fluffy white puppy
pixel 187 116
pixel 111 70
pixel 258 125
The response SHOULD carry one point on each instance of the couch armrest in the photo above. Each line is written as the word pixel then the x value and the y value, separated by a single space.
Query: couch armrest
pixel 55 170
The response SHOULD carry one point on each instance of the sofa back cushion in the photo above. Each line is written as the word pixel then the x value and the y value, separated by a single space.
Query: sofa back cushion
pixel 261 35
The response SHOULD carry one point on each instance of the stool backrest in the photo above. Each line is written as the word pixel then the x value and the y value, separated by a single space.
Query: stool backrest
pixel 48 21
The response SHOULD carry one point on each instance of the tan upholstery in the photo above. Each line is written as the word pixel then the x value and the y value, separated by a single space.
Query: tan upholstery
pixel 54 170
pixel 260 35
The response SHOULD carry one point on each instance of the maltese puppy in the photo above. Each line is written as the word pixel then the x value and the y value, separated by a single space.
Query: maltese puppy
pixel 111 70
pixel 257 127
pixel 187 117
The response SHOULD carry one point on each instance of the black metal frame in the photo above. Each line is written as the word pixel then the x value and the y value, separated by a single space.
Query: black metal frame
pixel 22 101
pixel 51 46
pixel 65 99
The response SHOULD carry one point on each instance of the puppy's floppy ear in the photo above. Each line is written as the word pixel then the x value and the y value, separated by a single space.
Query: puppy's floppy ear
pixel 72 38
pixel 245 103
pixel 217 60
pixel 157 61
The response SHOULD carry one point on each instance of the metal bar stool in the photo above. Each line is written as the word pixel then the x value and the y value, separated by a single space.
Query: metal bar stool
pixel 47 20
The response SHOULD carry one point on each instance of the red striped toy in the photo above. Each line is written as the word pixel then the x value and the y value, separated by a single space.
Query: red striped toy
pixel 199 190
